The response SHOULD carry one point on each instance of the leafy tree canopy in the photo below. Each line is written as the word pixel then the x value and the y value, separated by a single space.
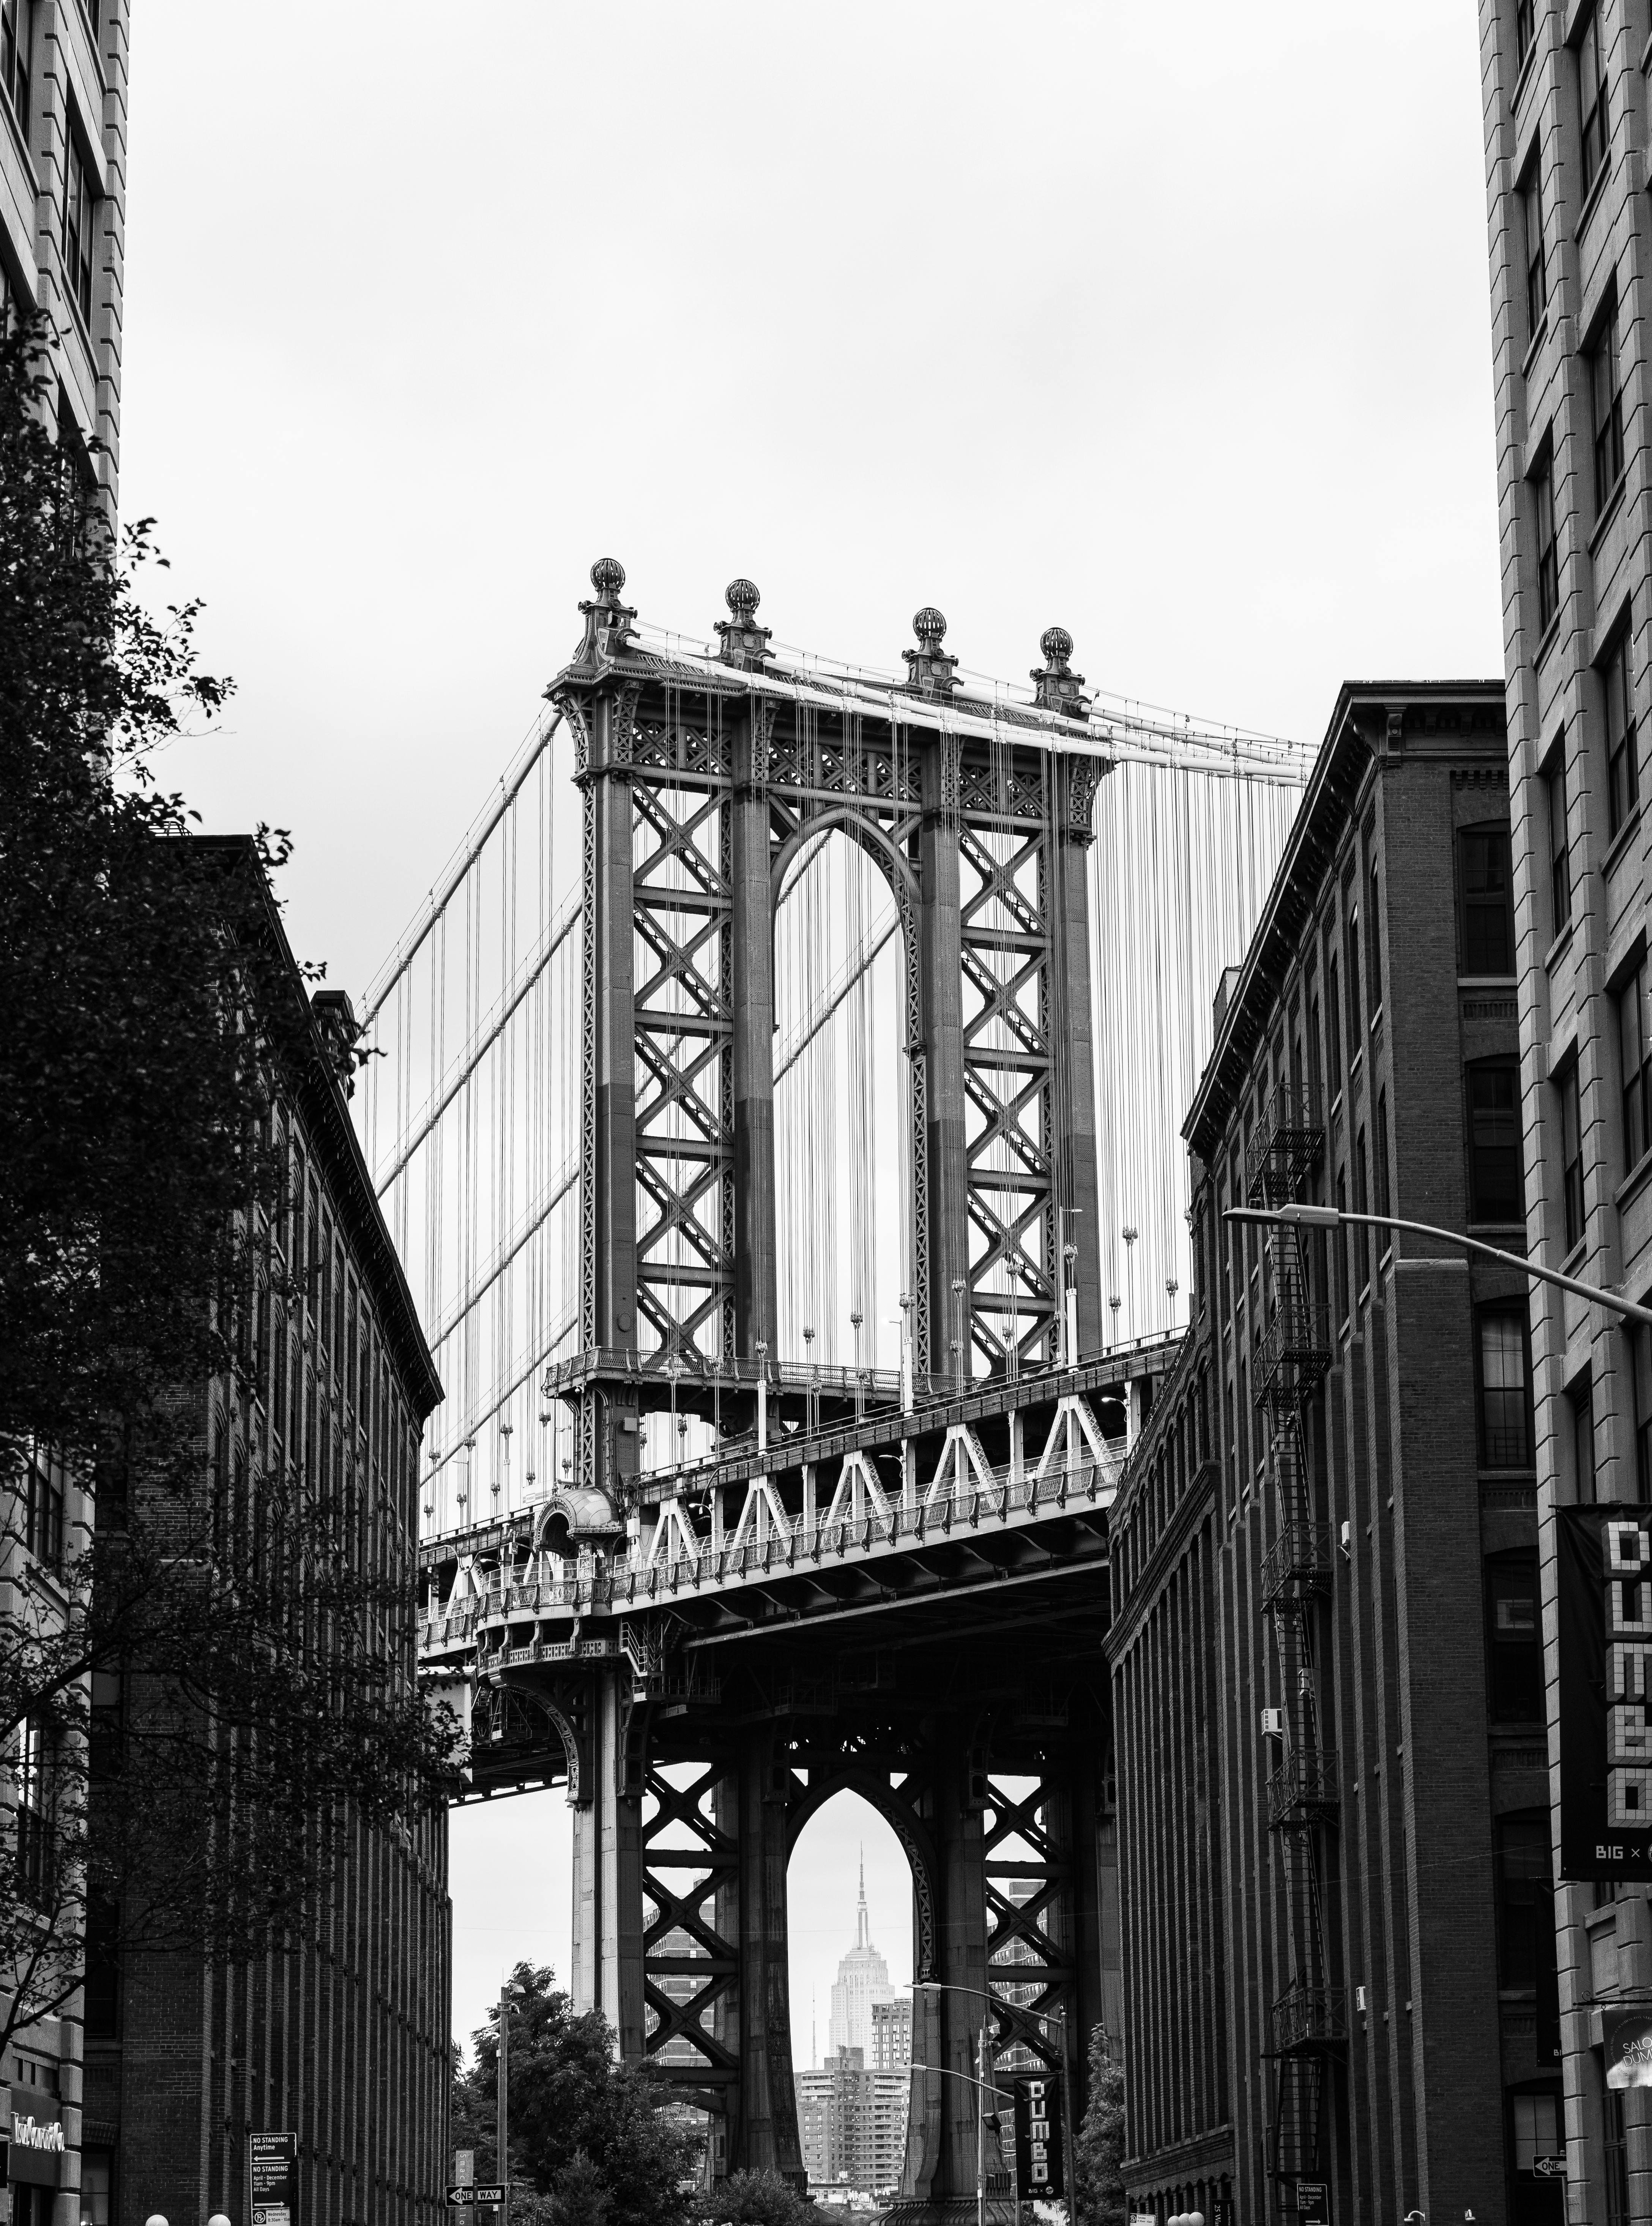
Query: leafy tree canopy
pixel 151 1018
pixel 1098 2153
pixel 593 2138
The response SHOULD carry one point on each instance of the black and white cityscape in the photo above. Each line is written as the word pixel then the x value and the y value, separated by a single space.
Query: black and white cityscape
pixel 825 1116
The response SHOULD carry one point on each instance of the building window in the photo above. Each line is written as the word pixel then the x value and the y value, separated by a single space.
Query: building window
pixel 1623 773
pixel 43 1510
pixel 1353 974
pixel 34 1813
pixel 1560 838
pixel 1361 1205
pixel 1615 2159
pixel 1339 1239
pixel 1583 1442
pixel 1333 1028
pixel 1641 1342
pixel 1373 948
pixel 1571 1157
pixel 1591 99
pixel 1634 1051
pixel 1316 1086
pixel 1531 204
pixel 1534 2119
pixel 1385 1237
pixel 97 2186
pixel 1548 554
pixel 1495 1192
pixel 1505 1401
pixel 1513 1639
pixel 79 226
pixel 1525 1908
pixel 17 53
pixel 1525 29
pixel 1606 405
pixel 1486 927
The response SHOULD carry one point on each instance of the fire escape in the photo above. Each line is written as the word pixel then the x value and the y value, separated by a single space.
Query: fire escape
pixel 1308 2022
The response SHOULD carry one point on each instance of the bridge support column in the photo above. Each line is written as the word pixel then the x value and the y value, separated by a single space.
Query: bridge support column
pixel 939 2185
pixel 941 961
pixel 1078 1187
pixel 753 984
pixel 607 1953
pixel 755 2023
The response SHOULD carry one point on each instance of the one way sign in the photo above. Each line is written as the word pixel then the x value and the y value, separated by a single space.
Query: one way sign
pixel 459 2198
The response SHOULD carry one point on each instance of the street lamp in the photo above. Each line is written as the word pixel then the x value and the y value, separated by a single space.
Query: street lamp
pixel 1334 1217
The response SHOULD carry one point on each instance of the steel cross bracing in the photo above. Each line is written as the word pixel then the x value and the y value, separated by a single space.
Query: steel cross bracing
pixel 705 786
pixel 911 1607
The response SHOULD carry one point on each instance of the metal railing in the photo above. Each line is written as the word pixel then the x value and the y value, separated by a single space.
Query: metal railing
pixel 1307 2020
pixel 1303 1790
pixel 1297 1562
pixel 1285 1145
pixel 937 1513
pixel 1295 1349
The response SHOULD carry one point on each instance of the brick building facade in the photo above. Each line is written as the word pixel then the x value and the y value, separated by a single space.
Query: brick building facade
pixel 345 2041
pixel 1568 122
pixel 1327 1664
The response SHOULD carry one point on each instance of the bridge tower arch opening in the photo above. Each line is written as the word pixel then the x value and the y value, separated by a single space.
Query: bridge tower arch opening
pixel 844 1094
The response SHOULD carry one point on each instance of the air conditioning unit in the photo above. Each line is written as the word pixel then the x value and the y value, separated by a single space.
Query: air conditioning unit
pixel 1348 1540
pixel 1359 1998
pixel 1272 1723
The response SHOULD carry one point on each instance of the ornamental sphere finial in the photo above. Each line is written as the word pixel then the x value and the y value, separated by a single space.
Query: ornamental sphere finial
pixel 742 599
pixel 1055 644
pixel 607 575
pixel 929 625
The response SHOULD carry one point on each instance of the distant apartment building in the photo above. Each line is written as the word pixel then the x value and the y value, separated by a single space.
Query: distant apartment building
pixel 852 2123
pixel 1335 1869
pixel 63 200
pixel 1565 112
pixel 891 2034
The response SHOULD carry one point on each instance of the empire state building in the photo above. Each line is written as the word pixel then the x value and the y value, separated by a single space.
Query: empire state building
pixel 863 1979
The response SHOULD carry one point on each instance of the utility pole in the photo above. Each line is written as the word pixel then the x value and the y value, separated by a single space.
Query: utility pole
pixel 981 2125
pixel 503 2104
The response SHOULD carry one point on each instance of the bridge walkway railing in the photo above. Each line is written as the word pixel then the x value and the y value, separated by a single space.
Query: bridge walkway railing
pixel 1000 1496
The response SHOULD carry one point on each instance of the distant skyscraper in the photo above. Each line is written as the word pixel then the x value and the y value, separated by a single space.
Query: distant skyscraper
pixel 863 1979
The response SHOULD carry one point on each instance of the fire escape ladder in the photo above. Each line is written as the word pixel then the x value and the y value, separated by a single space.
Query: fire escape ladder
pixel 1308 2021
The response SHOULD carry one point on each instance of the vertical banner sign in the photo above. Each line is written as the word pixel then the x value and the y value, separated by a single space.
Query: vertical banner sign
pixel 1629 2051
pixel 1604 1576
pixel 1038 2139
pixel 272 2167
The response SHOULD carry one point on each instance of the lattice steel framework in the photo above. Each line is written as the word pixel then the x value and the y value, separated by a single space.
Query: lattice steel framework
pixel 705 786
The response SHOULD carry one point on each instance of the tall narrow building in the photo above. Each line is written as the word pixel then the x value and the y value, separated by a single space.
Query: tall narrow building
pixel 1565 132
pixel 862 1980
pixel 63 203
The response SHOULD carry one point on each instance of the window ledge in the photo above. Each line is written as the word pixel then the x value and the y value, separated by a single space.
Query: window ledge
pixel 1533 344
pixel 1488 981
pixel 1592 198
pixel 1620 841
pixel 1550 634
pixel 1575 1257
pixel 1557 946
pixel 1609 510
pixel 1489 1229
pixel 1634 1181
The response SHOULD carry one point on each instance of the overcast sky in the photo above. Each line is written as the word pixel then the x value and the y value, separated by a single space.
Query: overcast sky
pixel 1169 325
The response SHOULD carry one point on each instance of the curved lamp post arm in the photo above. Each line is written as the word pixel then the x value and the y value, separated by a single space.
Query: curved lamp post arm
pixel 1332 1216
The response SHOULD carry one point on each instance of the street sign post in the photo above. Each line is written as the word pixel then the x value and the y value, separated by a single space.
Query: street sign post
pixel 271 2169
